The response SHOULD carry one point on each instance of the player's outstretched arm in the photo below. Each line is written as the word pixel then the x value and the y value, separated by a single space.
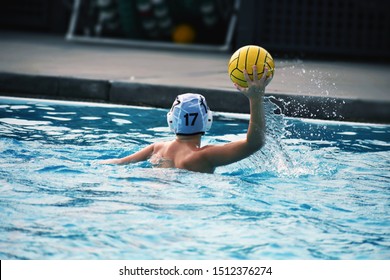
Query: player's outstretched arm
pixel 255 138
pixel 141 155
pixel 255 93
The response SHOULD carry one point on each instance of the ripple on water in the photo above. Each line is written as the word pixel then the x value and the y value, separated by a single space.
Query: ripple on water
pixel 306 195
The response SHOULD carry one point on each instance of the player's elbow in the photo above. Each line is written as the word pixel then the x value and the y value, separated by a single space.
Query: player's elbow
pixel 255 146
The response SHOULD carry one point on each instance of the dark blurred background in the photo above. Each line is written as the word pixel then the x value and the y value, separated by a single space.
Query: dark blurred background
pixel 353 29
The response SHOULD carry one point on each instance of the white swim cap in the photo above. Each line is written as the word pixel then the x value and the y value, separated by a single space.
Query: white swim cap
pixel 189 115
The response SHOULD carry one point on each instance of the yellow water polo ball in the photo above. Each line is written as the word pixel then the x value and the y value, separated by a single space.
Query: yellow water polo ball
pixel 245 58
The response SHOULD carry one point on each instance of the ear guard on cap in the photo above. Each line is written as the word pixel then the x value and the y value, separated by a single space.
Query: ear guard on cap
pixel 189 115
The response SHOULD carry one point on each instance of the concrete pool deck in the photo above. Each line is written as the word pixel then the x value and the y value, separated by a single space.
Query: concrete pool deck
pixel 47 66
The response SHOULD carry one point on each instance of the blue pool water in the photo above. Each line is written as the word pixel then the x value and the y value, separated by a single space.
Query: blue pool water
pixel 318 190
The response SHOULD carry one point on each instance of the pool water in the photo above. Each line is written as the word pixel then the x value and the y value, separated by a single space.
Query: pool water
pixel 317 190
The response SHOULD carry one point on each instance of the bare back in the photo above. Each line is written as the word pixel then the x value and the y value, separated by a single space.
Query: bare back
pixel 180 154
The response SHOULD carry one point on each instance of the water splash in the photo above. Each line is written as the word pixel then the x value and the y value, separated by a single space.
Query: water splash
pixel 277 158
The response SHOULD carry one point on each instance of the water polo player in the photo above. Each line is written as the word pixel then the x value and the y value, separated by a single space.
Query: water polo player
pixel 189 118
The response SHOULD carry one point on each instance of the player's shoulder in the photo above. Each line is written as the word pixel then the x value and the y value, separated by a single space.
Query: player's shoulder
pixel 161 145
pixel 198 161
pixel 206 152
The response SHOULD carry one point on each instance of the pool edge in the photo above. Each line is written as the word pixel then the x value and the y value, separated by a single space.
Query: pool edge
pixel 161 96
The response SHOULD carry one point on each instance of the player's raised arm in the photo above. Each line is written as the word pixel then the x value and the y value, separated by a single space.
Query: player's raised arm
pixel 255 138
pixel 255 93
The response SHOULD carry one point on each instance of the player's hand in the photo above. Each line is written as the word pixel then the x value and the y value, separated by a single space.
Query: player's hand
pixel 256 87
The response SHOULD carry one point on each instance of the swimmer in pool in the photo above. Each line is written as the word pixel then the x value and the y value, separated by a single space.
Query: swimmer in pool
pixel 189 118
